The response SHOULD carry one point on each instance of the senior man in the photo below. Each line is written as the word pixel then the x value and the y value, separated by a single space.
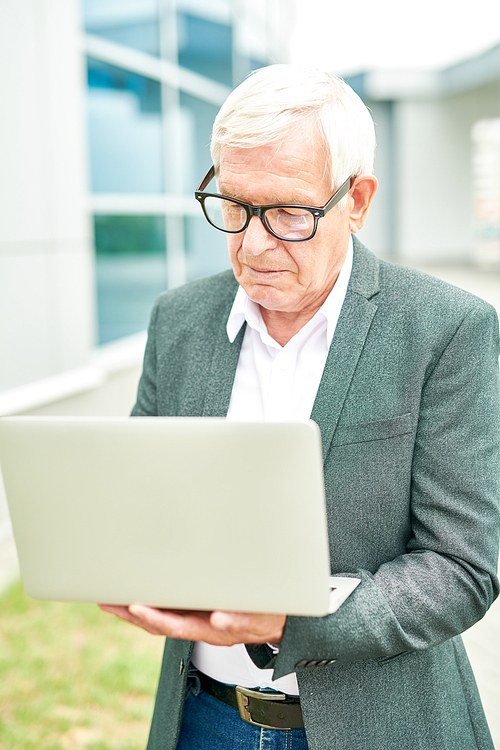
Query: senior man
pixel 400 371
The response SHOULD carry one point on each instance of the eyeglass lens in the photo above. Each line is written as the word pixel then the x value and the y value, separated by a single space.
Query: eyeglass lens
pixel 285 221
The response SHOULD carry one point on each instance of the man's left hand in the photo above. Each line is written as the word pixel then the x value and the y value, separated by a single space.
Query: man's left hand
pixel 217 628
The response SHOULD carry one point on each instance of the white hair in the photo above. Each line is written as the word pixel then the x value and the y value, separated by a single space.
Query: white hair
pixel 275 99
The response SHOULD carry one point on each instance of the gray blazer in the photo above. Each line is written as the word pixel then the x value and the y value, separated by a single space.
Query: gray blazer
pixel 408 408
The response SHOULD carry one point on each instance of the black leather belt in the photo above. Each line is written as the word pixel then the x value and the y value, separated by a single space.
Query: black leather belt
pixel 270 710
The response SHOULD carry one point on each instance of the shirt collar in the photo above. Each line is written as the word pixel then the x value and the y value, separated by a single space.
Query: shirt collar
pixel 244 309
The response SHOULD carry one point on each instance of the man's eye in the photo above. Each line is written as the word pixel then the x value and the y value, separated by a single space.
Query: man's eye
pixel 298 219
pixel 289 211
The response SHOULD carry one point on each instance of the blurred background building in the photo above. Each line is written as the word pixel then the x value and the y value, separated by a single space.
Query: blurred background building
pixel 107 107
pixel 105 129
pixel 106 118
pixel 439 198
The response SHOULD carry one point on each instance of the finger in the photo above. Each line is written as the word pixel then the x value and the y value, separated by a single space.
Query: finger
pixel 217 628
pixel 222 620
pixel 239 622
pixel 114 609
pixel 249 627
pixel 118 610
pixel 184 625
pixel 124 613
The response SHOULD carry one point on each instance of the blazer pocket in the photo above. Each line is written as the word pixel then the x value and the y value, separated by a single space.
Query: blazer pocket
pixel 387 659
pixel 382 429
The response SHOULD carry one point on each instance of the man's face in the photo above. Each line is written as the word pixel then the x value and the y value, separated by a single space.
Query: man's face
pixel 290 277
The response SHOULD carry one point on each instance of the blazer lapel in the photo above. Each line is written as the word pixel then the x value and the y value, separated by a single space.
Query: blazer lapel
pixel 352 329
pixel 222 372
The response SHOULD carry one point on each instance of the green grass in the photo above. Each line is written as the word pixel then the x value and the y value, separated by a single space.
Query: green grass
pixel 73 677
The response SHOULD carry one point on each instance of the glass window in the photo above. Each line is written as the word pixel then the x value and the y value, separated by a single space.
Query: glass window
pixel 197 159
pixel 255 64
pixel 131 272
pixel 125 131
pixel 205 47
pixel 206 248
pixel 133 23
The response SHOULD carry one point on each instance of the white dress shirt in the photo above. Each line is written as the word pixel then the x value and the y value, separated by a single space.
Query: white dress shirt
pixel 272 384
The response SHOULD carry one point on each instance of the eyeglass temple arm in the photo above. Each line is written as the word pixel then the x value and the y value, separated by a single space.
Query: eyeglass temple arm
pixel 343 189
pixel 339 194
pixel 209 176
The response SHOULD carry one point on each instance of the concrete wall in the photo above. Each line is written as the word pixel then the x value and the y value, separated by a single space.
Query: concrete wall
pixel 379 232
pixel 435 181
pixel 435 208
pixel 423 209
pixel 46 256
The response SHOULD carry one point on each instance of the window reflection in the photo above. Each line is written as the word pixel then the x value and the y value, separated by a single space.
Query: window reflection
pixel 205 47
pixel 125 131
pixel 131 272
pixel 148 137
pixel 133 23
pixel 206 248
pixel 200 116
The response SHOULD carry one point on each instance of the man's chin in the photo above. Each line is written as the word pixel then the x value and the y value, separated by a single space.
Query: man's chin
pixel 269 298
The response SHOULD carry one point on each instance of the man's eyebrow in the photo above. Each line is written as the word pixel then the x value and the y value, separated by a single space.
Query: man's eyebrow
pixel 292 200
pixel 230 193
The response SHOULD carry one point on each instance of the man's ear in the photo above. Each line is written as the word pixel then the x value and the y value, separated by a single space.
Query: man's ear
pixel 361 195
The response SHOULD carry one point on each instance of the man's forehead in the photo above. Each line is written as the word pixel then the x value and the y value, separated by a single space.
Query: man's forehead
pixel 291 168
pixel 306 143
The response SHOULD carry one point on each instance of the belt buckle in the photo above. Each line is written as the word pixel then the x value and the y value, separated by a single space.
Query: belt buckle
pixel 242 696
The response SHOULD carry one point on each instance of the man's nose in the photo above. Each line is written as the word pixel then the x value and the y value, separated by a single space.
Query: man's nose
pixel 256 238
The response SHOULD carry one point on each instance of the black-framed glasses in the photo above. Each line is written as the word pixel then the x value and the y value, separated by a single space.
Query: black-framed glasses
pixel 291 223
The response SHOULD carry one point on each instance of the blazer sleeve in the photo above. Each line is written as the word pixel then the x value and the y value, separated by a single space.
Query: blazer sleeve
pixel 446 579
pixel 146 403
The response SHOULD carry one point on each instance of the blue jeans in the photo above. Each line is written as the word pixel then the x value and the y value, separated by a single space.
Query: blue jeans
pixel 210 724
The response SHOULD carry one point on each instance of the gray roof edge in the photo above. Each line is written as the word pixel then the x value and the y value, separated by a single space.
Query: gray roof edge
pixel 394 84
pixel 473 72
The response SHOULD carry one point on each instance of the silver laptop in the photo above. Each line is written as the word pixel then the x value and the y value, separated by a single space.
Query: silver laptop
pixel 185 513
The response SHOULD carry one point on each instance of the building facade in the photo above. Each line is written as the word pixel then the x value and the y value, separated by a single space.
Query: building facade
pixel 105 130
pixel 158 72
pixel 426 161
pixel 104 136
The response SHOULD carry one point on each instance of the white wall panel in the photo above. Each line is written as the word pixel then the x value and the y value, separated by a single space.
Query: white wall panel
pixel 25 338
pixel 435 218
pixel 46 256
